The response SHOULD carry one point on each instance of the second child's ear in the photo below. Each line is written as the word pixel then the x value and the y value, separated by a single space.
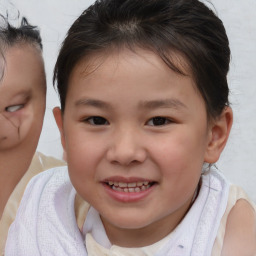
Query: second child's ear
pixel 218 135
pixel 59 121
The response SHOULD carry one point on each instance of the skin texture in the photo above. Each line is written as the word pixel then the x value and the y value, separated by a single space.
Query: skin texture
pixel 128 143
pixel 240 236
pixel 22 106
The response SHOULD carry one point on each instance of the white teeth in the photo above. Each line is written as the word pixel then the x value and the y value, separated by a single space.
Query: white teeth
pixel 137 189
pixel 117 188
pixel 131 190
pixel 129 187
pixel 122 185
pixel 143 188
pixel 132 185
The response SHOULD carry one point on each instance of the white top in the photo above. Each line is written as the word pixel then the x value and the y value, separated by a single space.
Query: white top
pixel 46 222
pixel 39 163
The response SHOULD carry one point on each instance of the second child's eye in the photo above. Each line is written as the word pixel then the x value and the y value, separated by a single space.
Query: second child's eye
pixel 14 108
pixel 158 121
pixel 96 120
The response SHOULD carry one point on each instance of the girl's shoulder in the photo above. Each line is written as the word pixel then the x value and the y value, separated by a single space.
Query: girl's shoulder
pixel 240 235
pixel 44 187
pixel 58 174
pixel 46 211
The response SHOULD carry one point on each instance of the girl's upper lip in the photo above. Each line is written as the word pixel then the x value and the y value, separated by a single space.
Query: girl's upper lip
pixel 126 179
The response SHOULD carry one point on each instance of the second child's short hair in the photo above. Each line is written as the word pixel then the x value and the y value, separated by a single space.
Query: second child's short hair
pixel 166 27
pixel 25 33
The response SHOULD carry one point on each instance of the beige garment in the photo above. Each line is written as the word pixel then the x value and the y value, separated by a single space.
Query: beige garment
pixel 95 249
pixel 235 193
pixel 39 163
pixel 81 210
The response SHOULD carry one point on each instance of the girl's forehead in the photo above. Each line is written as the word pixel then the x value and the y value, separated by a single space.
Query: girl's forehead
pixel 122 56
pixel 130 71
pixel 126 62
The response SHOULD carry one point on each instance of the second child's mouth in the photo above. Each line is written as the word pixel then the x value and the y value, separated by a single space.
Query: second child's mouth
pixel 131 187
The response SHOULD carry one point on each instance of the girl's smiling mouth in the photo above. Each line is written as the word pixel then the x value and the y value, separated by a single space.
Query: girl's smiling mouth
pixel 125 191
pixel 130 187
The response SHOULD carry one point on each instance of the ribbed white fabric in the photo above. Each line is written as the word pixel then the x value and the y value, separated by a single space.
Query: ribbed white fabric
pixel 46 223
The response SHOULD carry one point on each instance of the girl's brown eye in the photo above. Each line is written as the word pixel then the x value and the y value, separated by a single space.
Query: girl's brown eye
pixel 97 120
pixel 158 121
pixel 14 108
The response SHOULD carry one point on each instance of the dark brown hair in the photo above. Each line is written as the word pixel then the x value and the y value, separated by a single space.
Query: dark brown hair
pixel 10 36
pixel 185 27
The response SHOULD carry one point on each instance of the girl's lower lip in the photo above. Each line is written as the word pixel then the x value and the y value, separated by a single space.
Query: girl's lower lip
pixel 127 197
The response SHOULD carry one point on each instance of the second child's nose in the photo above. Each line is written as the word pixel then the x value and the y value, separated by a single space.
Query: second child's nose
pixel 126 148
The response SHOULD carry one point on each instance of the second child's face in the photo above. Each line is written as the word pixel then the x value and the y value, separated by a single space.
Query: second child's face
pixel 22 98
pixel 136 136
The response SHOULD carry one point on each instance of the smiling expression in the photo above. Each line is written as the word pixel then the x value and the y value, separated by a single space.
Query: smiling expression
pixel 136 135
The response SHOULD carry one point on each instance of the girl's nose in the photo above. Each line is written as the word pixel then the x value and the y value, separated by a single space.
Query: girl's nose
pixel 126 148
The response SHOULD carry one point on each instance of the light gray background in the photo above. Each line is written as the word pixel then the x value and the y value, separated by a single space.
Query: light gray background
pixel 238 159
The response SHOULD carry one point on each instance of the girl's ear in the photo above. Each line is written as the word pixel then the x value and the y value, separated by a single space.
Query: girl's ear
pixel 218 135
pixel 59 121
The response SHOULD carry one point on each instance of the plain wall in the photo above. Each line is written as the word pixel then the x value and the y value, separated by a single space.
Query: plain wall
pixel 237 162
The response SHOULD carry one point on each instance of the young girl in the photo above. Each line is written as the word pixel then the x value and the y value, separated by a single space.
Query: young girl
pixel 144 116
pixel 22 106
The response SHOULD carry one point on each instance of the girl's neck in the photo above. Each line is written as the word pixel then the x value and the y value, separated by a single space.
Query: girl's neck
pixel 13 165
pixel 148 235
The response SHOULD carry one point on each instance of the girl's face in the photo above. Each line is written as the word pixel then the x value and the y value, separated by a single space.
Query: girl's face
pixel 22 97
pixel 136 137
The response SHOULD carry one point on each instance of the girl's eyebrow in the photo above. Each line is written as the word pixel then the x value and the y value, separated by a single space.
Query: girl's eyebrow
pixel 152 104
pixel 92 103
pixel 163 103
